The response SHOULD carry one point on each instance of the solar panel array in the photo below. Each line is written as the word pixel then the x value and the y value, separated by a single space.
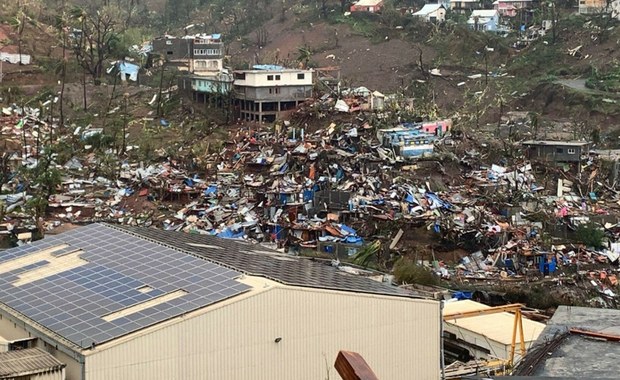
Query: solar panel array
pixel 256 260
pixel 72 303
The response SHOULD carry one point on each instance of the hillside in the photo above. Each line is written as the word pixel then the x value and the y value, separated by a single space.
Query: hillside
pixel 391 53
pixel 394 53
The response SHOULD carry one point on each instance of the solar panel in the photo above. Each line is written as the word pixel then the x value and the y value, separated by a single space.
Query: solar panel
pixel 72 303
pixel 255 260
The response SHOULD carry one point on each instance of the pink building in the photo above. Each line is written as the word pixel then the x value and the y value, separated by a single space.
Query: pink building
pixel 509 8
pixel 437 128
pixel 372 6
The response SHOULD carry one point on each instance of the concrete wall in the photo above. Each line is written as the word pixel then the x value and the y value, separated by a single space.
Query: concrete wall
pixel 185 48
pixel 557 153
pixel 399 338
pixel 273 94
pixel 172 49
pixel 206 65
pixel 261 78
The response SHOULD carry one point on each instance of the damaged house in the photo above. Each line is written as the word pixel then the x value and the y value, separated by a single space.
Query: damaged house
pixel 201 57
pixel 265 91
pixel 556 151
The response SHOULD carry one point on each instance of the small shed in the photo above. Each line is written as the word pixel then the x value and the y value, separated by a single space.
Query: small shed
pixel 377 101
pixel 372 6
pixel 487 336
pixel 432 13
pixel 30 363
pixel 556 151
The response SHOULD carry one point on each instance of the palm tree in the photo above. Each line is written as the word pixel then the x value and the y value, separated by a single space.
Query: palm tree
pixel 304 55
pixel 19 23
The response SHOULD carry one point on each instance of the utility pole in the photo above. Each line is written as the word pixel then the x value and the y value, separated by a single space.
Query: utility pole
pixel 161 85
pixel 124 146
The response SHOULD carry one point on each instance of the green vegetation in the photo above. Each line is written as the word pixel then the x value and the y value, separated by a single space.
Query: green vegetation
pixel 408 272
pixel 590 235
pixel 605 79
pixel 367 254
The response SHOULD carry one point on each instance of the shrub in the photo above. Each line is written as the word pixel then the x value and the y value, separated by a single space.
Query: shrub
pixel 590 235
pixel 408 272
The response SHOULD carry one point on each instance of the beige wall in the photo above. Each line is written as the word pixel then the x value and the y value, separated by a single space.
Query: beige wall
pixel 287 78
pixel 399 338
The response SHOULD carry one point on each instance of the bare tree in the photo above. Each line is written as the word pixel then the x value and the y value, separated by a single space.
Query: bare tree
pixel 61 25
pixel 93 43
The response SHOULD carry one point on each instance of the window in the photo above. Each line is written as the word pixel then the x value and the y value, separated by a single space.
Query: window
pixel 277 77
pixel 239 76
pixel 301 76
pixel 559 150
pixel 169 52
pixel 207 51
pixel 571 151
pixel 269 77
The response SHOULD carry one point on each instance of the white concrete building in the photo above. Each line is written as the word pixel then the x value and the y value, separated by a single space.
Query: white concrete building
pixel 144 304
pixel 266 91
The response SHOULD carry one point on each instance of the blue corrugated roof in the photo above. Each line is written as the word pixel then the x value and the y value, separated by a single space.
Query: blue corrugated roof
pixel 267 67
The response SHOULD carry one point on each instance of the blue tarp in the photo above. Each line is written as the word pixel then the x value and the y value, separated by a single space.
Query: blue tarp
pixel 308 195
pixel 229 234
pixel 548 267
pixel 462 295
pixel 283 168
pixel 348 230
pixel 130 69
pixel 267 67
pixel 339 174
pixel 410 199
pixel 353 240
pixel 211 190
pixel 438 201
pixel 278 231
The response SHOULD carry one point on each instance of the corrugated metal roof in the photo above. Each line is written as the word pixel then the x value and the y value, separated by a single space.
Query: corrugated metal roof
pixel 27 362
pixel 555 143
pixel 496 327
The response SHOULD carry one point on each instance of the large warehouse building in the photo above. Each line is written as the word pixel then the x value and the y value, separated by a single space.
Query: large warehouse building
pixel 136 303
